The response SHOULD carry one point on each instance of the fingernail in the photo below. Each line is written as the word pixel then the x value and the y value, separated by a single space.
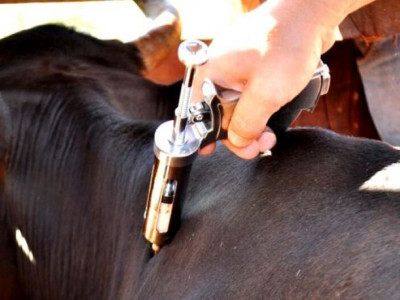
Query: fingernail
pixel 266 141
pixel 236 140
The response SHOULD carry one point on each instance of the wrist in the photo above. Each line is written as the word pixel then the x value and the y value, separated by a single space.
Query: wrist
pixel 319 17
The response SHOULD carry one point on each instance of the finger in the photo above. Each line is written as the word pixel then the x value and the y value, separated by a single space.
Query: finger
pixel 251 114
pixel 267 140
pixel 249 152
pixel 197 94
pixel 207 150
pixel 219 73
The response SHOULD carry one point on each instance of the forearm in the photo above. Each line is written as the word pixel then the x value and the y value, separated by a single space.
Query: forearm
pixel 320 17
pixel 367 19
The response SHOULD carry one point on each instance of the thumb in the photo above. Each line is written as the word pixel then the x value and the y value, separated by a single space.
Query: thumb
pixel 255 107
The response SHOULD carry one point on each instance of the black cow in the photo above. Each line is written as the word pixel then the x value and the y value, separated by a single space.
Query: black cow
pixel 58 63
pixel 304 223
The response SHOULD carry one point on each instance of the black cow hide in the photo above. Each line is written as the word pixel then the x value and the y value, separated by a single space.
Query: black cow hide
pixel 304 223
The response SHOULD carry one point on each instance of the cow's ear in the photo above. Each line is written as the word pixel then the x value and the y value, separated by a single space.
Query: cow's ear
pixel 5 124
pixel 158 48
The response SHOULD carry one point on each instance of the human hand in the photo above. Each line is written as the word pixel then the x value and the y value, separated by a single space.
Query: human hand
pixel 269 55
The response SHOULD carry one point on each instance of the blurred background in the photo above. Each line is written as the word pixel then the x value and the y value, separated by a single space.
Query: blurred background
pixel 120 19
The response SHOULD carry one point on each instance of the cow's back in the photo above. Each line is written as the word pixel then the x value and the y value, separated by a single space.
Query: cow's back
pixel 300 224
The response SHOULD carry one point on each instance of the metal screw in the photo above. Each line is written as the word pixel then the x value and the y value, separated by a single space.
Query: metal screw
pixel 199 118
pixel 193 53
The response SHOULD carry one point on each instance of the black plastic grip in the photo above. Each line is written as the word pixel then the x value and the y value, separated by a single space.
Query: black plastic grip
pixel 306 100
pixel 287 114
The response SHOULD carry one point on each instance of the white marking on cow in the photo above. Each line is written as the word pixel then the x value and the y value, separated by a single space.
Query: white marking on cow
pixel 23 244
pixel 298 272
pixel 385 180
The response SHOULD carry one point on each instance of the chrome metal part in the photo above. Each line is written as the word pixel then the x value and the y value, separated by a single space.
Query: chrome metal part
pixel 191 53
pixel 176 155
pixel 326 79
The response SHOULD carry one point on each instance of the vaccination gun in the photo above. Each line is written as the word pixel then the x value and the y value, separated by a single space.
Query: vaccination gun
pixel 196 125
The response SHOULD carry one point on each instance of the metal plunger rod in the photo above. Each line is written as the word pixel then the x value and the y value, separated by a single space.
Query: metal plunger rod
pixel 191 53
